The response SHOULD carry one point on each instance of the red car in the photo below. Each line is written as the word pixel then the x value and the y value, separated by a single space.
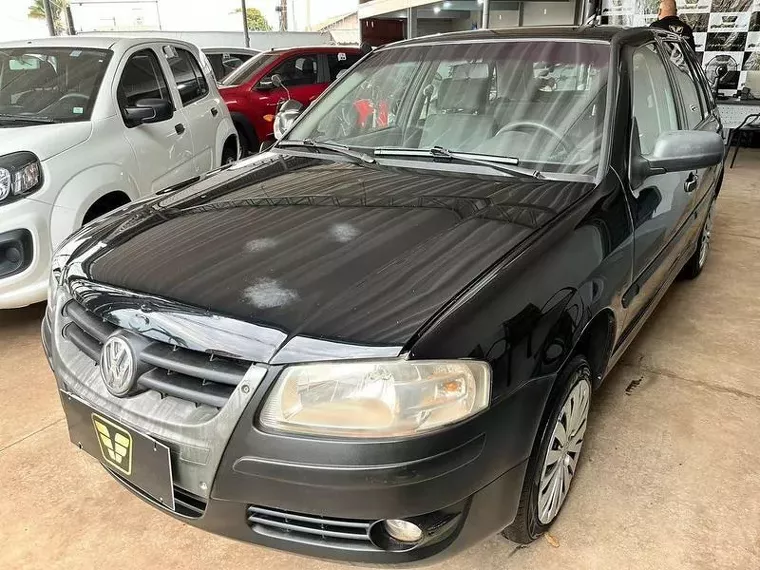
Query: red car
pixel 252 98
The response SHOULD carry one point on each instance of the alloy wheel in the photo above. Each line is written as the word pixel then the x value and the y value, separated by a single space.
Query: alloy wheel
pixel 704 240
pixel 564 450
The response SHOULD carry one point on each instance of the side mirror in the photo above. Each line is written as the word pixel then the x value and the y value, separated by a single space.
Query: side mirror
pixel 286 116
pixel 265 84
pixel 277 80
pixel 149 111
pixel 678 151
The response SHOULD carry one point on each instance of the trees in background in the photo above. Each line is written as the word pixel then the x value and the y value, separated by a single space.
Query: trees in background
pixel 256 20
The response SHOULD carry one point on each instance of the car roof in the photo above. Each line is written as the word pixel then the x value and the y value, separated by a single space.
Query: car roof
pixel 318 49
pixel 93 42
pixel 228 49
pixel 578 33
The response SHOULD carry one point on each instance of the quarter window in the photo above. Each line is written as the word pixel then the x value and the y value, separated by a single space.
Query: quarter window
pixel 337 62
pixel 142 78
pixel 191 83
pixel 654 109
pixel 687 84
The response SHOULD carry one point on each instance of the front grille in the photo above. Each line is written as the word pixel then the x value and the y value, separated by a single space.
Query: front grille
pixel 185 503
pixel 314 530
pixel 171 371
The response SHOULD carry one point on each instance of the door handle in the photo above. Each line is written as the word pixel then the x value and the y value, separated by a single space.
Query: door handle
pixel 691 183
pixel 214 111
pixel 180 128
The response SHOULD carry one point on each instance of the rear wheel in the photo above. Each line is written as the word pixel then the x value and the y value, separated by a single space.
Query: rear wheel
pixel 697 262
pixel 552 465
pixel 229 153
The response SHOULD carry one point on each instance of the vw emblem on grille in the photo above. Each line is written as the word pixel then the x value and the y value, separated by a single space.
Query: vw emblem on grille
pixel 117 366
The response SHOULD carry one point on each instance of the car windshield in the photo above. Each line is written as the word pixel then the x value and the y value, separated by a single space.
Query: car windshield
pixel 245 72
pixel 49 84
pixel 535 103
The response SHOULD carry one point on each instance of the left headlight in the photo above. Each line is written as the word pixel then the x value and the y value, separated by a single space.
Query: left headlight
pixel 385 399
pixel 20 174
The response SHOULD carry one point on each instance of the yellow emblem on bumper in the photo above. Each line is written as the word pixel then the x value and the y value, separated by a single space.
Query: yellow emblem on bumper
pixel 115 444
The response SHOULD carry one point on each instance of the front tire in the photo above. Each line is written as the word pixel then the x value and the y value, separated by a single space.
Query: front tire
pixel 553 463
pixel 249 142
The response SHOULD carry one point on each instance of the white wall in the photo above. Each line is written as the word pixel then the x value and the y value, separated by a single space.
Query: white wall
pixel 503 19
pixel 189 15
pixel 259 40
pixel 548 13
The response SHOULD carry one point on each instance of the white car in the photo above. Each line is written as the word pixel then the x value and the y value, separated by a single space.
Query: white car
pixel 88 125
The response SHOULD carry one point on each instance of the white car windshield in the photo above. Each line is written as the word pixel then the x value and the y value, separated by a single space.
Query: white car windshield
pixel 40 85
pixel 537 103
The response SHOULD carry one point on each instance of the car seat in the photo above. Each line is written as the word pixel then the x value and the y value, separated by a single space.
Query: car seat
pixel 461 122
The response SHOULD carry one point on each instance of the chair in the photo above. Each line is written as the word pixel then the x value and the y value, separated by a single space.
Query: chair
pixel 749 125
pixel 461 122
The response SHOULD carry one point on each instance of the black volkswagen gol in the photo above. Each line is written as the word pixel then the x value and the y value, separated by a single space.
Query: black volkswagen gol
pixel 379 341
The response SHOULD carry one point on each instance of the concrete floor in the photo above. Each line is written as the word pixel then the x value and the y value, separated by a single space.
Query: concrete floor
pixel 670 475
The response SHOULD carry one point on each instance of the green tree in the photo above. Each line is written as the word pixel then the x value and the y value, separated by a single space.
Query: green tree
pixel 256 20
pixel 37 11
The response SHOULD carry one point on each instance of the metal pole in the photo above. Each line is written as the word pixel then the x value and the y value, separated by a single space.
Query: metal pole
pixel 70 21
pixel 245 24
pixel 49 17
pixel 486 13
pixel 411 23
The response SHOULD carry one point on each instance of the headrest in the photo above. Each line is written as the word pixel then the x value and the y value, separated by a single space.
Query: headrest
pixel 464 95
pixel 306 65
pixel 46 73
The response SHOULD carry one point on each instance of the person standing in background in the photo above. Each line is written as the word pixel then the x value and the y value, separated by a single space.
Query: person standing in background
pixel 667 19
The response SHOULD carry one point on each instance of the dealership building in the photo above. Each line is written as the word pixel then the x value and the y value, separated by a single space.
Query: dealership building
pixel 384 21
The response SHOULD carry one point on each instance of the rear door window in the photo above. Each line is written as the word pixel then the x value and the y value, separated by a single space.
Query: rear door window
pixel 187 73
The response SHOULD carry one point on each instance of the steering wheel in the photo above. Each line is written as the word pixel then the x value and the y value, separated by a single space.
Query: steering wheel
pixel 70 99
pixel 537 127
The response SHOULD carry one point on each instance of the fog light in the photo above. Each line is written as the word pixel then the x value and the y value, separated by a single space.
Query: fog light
pixel 403 531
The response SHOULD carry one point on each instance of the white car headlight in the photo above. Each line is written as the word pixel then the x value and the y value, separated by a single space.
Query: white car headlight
pixel 376 399
pixel 20 174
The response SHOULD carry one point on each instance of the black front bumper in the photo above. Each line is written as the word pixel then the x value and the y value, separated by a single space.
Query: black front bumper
pixel 328 498
pixel 461 485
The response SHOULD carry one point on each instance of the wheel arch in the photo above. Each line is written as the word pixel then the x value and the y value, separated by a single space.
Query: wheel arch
pixel 105 204
pixel 595 342
pixel 225 132
pixel 246 127
pixel 81 192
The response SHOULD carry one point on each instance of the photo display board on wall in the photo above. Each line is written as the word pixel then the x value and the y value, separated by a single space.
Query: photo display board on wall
pixel 726 33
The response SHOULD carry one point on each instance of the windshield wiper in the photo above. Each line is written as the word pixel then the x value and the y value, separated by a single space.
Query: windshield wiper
pixel 359 157
pixel 27 119
pixel 439 152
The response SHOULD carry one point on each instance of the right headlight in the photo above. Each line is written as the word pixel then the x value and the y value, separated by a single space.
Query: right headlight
pixel 20 174
pixel 385 399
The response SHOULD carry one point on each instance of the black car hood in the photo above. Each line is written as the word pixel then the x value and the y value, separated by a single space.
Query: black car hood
pixel 331 255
